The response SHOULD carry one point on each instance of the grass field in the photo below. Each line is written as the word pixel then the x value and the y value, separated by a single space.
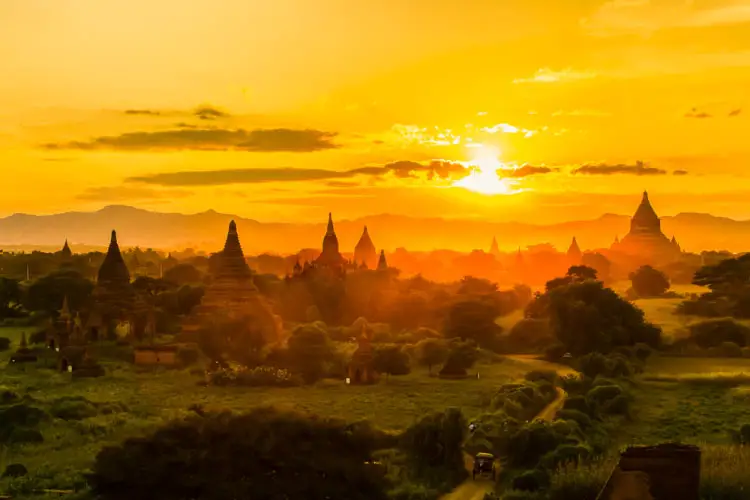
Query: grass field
pixel 695 400
pixel 152 397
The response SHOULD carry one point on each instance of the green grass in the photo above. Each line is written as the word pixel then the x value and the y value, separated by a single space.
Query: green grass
pixel 153 397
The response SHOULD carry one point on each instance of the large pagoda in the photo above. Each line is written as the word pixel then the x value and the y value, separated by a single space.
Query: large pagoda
pixel 231 292
pixel 365 253
pixel 645 238
pixel 114 296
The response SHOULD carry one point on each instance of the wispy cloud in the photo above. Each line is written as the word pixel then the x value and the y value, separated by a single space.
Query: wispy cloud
pixel 644 17
pixel 735 112
pixel 209 113
pixel 262 140
pixel 639 168
pixel 546 75
pixel 680 172
pixel 695 113
pixel 436 169
pixel 144 112
pixel 526 171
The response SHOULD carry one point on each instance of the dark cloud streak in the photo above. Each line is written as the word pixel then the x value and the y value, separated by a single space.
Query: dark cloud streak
pixel 209 139
pixel 639 168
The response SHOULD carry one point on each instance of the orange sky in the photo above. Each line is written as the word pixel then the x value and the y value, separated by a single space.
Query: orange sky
pixel 289 109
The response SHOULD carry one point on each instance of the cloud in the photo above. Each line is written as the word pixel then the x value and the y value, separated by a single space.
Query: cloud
pixel 436 169
pixel 186 125
pixel 546 75
pixel 145 112
pixel 735 112
pixel 124 193
pixel 694 113
pixel 526 171
pixel 342 184
pixel 680 172
pixel 207 139
pixel 603 169
pixel 57 159
pixel 209 113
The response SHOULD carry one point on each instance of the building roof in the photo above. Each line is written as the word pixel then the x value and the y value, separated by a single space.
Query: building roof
pixel 645 214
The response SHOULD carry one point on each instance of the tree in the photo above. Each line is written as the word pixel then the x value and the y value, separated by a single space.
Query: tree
pixel 240 339
pixel 473 319
pixel 183 274
pixel 309 352
pixel 434 445
pixel 586 317
pixel 47 293
pixel 391 360
pixel 649 282
pixel 264 454
pixel 431 352
pixel 461 357
pixel 10 298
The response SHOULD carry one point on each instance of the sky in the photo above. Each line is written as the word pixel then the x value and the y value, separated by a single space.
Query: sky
pixel 531 110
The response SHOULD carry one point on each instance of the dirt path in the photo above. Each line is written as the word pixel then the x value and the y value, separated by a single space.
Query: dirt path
pixel 476 489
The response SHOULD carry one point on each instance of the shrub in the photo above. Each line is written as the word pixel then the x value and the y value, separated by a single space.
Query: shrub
pixel 38 337
pixel 597 396
pixel 583 420
pixel 14 470
pixel 73 409
pixel 531 480
pixel 565 454
pixel 4 344
pixel 546 375
pixel 577 403
pixel 22 435
pixel 555 351
pixel 261 376
pixel 529 335
pixel 730 350
pixel 649 282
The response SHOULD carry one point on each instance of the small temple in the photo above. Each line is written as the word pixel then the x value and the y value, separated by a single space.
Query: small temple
pixel 574 253
pixel 645 238
pixel 361 367
pixel 365 254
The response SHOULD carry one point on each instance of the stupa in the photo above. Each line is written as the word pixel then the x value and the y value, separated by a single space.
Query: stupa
pixel 574 253
pixel 114 297
pixel 382 263
pixel 364 252
pixel 330 258
pixel 494 248
pixel 645 239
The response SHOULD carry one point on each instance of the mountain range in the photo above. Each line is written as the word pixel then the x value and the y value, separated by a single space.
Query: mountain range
pixel 206 231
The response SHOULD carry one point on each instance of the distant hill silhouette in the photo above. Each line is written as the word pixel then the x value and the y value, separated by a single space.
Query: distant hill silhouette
pixel 205 231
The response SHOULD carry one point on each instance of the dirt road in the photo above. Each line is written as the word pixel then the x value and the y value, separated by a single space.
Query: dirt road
pixel 476 489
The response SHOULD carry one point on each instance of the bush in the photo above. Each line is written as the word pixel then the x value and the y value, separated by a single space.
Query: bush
pixel 4 344
pixel 22 435
pixel 537 375
pixel 713 333
pixel 565 454
pixel 38 337
pixel 529 335
pixel 598 396
pixel 531 480
pixel 261 376
pixel 730 350
pixel 577 403
pixel 14 470
pixel 19 416
pixel 73 409
pixel 649 282
pixel 580 418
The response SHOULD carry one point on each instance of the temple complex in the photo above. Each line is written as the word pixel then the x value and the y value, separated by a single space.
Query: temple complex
pixel 365 254
pixel 574 253
pixel 645 239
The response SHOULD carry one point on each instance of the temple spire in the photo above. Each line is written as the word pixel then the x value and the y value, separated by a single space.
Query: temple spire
pixel 232 259
pixel 382 263
pixel 574 251
pixel 365 252
pixel 113 269
pixel 66 252
pixel 494 248
pixel 65 311
pixel 330 230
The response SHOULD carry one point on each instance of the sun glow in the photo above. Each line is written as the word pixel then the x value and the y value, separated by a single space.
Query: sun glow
pixel 484 178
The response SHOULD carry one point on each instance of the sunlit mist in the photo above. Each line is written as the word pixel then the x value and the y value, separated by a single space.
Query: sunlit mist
pixel 484 177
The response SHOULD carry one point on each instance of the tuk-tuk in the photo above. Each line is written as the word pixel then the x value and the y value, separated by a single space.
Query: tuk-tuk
pixel 484 463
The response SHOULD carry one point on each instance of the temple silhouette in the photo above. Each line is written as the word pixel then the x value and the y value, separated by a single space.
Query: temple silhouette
pixel 645 238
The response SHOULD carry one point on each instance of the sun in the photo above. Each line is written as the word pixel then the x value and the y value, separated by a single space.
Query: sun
pixel 484 178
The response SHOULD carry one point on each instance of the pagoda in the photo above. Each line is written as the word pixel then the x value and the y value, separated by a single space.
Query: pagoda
pixel 364 252
pixel 645 239
pixel 114 296
pixel 382 263
pixel 330 258
pixel 574 253
pixel 494 248
pixel 231 293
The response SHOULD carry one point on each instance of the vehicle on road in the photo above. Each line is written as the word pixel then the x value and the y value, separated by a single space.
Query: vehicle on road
pixel 484 464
